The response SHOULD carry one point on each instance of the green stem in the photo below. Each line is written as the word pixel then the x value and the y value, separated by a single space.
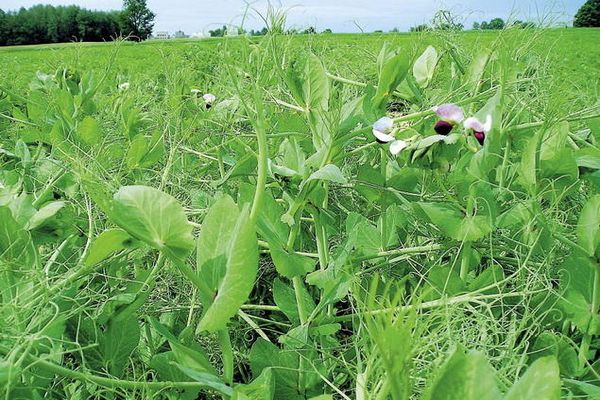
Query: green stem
pixel 226 354
pixel 102 381
pixel 261 136
pixel 587 337
pixel 465 260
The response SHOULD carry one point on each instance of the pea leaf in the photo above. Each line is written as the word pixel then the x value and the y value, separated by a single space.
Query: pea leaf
pixel 424 66
pixel 88 131
pixel 540 381
pixel 153 217
pixel 454 224
pixel 465 377
pixel 108 242
pixel 228 258
pixel 588 227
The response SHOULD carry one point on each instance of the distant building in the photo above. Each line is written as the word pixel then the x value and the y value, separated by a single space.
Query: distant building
pixel 162 35
pixel 180 35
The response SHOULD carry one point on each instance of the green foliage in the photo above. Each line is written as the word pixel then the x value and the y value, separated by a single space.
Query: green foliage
pixel 268 247
pixel 588 15
pixel 137 20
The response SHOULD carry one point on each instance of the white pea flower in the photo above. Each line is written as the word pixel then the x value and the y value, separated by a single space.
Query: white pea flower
pixel 480 129
pixel 124 86
pixel 195 92
pixel 382 130
pixel 397 146
pixel 209 98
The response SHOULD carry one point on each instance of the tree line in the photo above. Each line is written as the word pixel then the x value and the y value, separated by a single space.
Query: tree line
pixel 58 24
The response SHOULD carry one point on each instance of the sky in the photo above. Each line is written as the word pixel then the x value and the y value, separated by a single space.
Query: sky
pixel 199 16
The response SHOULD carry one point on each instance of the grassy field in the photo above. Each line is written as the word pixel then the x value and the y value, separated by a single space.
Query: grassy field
pixel 296 217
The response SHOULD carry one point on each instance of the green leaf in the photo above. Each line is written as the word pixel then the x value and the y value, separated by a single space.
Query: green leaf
pixel 285 299
pixel 108 242
pixel 290 264
pixel 136 152
pixel 88 131
pixel 424 66
pixel 261 388
pixel 209 380
pixel 45 213
pixel 120 339
pixel 315 89
pixel 192 358
pixel 588 227
pixel 540 381
pixel 452 222
pixel 465 377
pixel 153 217
pixel 588 157
pixel 393 72
pixel 329 172
pixel 16 246
pixel 227 260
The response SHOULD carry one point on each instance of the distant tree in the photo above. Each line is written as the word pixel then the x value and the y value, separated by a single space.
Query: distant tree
pixel 395 30
pixel 310 30
pixel 522 24
pixel 420 28
pixel 588 15
pixel 219 32
pixel 496 23
pixel 137 20
pixel 476 25
pixel 49 24
pixel 327 30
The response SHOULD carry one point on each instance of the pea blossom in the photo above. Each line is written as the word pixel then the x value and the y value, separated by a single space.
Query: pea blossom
pixel 124 86
pixel 397 146
pixel 450 115
pixel 480 129
pixel 382 130
pixel 195 92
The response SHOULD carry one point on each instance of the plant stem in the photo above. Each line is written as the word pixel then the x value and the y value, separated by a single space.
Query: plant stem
pixel 465 260
pixel 261 136
pixel 226 354
pixel 587 337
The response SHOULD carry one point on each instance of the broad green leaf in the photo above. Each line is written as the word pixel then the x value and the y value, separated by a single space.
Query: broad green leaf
pixel 465 377
pixel 120 339
pixel 331 173
pixel 588 227
pixel 227 260
pixel 316 85
pixel 454 224
pixel 208 380
pixel 108 242
pixel 192 358
pixel 45 213
pixel 88 131
pixel 153 217
pixel 261 388
pixel 285 299
pixel 540 381
pixel 291 264
pixel 476 68
pixel 137 150
pixel 393 72
pixel 424 66
pixel 588 157
pixel 16 246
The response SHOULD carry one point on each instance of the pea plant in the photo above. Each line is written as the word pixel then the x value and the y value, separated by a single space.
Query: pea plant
pixel 262 226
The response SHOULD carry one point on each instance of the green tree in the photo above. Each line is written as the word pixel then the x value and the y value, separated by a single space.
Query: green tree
pixel 137 20
pixel 588 15
pixel 496 23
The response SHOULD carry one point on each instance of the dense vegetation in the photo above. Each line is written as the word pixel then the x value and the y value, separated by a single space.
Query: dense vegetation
pixel 262 244
pixel 49 24
pixel 588 15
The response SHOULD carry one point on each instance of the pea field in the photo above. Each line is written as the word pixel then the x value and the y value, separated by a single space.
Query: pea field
pixel 332 216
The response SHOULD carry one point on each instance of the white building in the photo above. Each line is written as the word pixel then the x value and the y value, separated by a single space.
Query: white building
pixel 162 35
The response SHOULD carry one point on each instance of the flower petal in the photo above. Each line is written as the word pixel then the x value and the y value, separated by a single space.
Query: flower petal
pixel 209 98
pixel 384 125
pixel 473 123
pixel 382 137
pixel 488 123
pixel 397 146
pixel 449 112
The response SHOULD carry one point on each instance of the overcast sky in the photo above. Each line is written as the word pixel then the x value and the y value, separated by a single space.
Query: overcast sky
pixel 340 15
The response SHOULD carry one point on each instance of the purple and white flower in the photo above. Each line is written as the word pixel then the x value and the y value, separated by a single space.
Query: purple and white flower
pixel 480 129
pixel 382 130
pixel 450 115
pixel 209 98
